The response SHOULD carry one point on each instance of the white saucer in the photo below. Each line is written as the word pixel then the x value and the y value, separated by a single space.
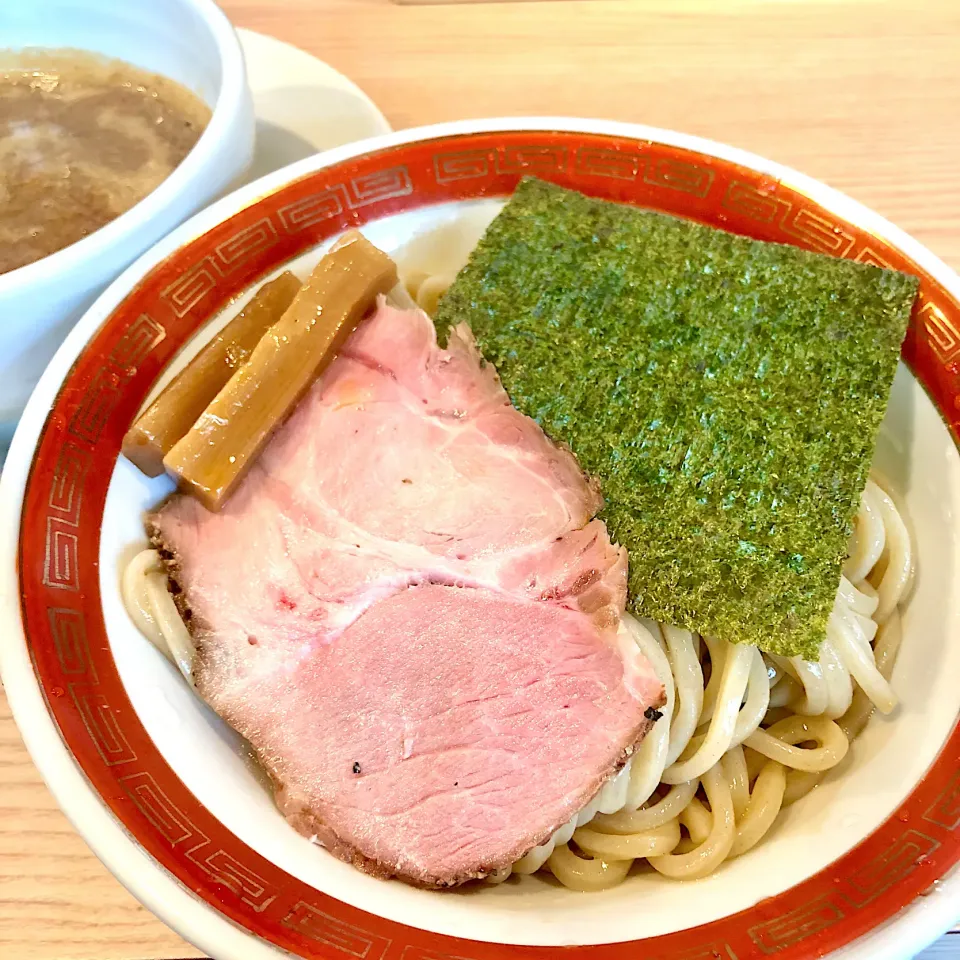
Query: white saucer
pixel 302 105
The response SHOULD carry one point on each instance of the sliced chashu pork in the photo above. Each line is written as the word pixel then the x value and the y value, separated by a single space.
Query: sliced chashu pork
pixel 409 612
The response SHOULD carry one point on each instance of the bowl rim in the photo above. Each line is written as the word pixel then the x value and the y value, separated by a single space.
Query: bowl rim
pixel 228 105
pixel 911 929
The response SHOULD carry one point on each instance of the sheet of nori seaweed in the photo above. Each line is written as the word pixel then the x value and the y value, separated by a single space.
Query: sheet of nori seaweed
pixel 726 392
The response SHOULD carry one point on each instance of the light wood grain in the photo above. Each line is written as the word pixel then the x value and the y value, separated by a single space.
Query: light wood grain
pixel 57 901
pixel 864 94
pixel 438 3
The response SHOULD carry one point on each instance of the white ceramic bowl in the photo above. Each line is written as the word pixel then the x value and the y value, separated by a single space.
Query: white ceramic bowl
pixel 190 41
pixel 119 737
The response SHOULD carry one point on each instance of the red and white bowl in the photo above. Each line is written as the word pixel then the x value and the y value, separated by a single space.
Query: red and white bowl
pixel 160 788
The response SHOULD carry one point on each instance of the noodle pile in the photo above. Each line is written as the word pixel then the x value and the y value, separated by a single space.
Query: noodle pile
pixel 743 734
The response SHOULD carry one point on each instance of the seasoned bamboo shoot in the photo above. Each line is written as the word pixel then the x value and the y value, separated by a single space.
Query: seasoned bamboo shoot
pixel 215 454
pixel 176 409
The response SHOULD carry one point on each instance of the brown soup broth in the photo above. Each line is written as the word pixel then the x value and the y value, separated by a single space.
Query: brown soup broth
pixel 82 139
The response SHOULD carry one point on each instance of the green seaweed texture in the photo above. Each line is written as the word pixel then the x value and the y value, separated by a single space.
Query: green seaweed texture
pixel 726 392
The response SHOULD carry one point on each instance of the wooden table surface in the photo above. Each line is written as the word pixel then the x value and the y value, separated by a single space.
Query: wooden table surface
pixel 864 94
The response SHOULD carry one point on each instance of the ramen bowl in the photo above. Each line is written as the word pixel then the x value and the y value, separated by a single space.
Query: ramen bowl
pixel 163 790
pixel 189 41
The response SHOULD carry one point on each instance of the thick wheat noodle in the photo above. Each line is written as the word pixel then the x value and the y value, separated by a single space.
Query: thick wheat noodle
pixel 707 856
pixel 136 600
pixel 651 757
pixel 428 291
pixel 860 601
pixel 857 656
pixel 837 678
pixel 613 796
pixel 775 716
pixel 827 684
pixel 885 651
pixel 586 875
pixel 802 683
pixel 866 630
pixel 757 703
pixel 649 818
pixel 697 820
pixel 146 595
pixel 718 654
pixel 688 681
pixel 611 846
pixel 816 692
pixel 762 808
pixel 735 768
pixel 401 298
pixel 787 690
pixel 799 784
pixel 733 685
pixel 866 544
pixel 779 743
pixel 899 550
pixel 751 714
pixel 538 856
pixel 757 698
pixel 887 645
pixel 755 762
pixel 774 673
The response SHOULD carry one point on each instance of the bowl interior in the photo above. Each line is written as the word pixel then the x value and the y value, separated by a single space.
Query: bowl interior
pixel 169 37
pixel 916 454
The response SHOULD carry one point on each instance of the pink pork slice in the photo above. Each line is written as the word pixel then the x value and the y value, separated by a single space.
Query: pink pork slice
pixel 409 611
